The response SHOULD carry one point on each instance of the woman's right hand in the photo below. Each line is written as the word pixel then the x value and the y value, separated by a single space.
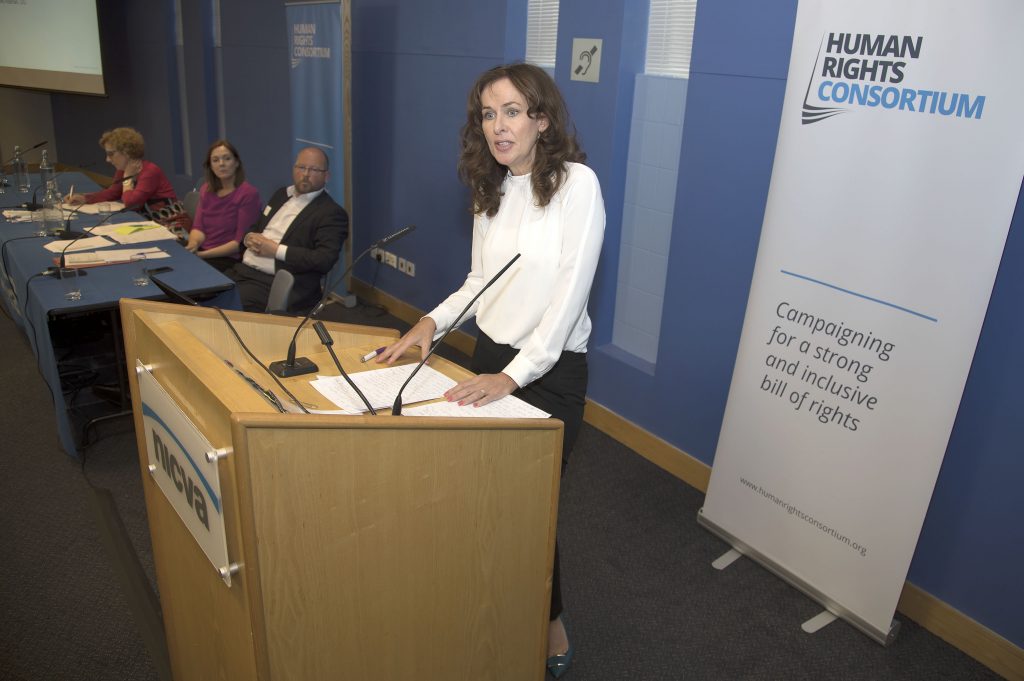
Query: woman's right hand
pixel 75 199
pixel 422 335
pixel 195 240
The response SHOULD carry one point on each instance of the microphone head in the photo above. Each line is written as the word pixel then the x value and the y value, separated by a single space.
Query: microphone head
pixel 396 236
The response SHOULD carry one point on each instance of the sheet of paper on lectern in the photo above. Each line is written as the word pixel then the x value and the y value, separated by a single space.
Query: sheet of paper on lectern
pixel 381 386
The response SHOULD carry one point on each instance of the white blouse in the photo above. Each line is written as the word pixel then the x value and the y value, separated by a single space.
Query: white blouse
pixel 539 306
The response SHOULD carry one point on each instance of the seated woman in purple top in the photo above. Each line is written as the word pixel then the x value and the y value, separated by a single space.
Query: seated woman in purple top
pixel 228 207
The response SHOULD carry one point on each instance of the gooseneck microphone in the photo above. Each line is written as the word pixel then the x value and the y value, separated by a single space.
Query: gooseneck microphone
pixel 298 366
pixel 23 152
pixel 325 338
pixel 35 205
pixel 380 244
pixel 78 235
pixel 172 293
pixel 3 167
pixel 396 408
pixel 68 233
pixel 392 237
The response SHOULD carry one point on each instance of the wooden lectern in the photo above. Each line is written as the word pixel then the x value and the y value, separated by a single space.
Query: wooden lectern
pixel 360 547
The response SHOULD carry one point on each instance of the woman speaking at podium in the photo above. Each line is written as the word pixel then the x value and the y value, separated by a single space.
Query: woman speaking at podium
pixel 139 184
pixel 531 195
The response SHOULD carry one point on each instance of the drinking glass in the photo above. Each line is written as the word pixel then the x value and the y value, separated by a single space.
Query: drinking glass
pixel 140 277
pixel 72 286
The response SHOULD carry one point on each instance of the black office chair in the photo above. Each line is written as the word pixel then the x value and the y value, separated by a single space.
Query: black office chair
pixel 280 291
pixel 191 202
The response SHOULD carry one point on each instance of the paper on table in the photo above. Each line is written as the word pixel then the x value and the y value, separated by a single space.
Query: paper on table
pixel 381 387
pixel 94 208
pixel 103 230
pixel 76 245
pixel 18 215
pixel 112 256
pixel 157 233
pixel 508 407
pixel 122 227
pixel 131 227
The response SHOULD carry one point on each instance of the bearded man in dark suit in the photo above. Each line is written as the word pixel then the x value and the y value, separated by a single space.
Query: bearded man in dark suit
pixel 301 230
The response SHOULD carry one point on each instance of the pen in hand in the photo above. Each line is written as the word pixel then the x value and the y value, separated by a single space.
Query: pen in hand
pixel 370 355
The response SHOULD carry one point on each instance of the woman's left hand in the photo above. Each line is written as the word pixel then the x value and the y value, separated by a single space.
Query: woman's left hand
pixel 481 390
pixel 132 168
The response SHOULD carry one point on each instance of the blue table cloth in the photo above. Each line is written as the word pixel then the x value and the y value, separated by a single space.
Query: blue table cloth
pixel 33 300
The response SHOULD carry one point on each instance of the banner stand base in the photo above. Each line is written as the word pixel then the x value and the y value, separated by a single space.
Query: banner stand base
pixel 881 636
pixel 818 622
pixel 726 559
pixel 347 299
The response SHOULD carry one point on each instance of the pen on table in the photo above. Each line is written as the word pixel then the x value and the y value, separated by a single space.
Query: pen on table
pixel 370 355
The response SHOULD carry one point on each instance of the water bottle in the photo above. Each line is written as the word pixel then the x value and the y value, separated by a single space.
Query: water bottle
pixel 47 178
pixel 53 216
pixel 20 172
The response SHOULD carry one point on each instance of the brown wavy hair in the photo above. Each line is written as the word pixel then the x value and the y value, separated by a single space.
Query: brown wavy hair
pixel 126 140
pixel 211 178
pixel 556 146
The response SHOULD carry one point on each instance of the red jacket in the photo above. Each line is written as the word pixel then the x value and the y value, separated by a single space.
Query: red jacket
pixel 151 188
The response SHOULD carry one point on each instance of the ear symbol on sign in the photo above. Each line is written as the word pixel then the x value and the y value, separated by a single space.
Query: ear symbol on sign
pixel 588 57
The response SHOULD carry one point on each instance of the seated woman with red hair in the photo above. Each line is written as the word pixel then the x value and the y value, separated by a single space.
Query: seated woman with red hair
pixel 139 184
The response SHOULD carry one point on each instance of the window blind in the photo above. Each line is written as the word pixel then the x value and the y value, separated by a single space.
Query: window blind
pixel 670 37
pixel 542 32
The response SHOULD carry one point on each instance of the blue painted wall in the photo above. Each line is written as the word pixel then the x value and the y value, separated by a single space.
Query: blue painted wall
pixel 413 63
pixel 140 74
pixel 972 544
pixel 255 82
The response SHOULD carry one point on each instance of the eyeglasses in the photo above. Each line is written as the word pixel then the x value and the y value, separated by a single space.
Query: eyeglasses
pixel 309 169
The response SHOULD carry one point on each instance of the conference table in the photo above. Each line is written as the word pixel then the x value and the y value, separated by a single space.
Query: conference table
pixel 77 343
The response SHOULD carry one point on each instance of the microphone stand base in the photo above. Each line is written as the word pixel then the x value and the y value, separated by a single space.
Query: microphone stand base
pixel 58 272
pixel 301 366
pixel 68 234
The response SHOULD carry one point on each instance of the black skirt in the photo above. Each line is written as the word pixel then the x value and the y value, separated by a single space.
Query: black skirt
pixel 561 392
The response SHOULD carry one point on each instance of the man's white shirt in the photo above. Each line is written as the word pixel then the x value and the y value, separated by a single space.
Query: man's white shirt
pixel 276 228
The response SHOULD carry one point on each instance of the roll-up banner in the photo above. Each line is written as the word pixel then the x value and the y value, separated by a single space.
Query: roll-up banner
pixel 899 161
pixel 317 52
